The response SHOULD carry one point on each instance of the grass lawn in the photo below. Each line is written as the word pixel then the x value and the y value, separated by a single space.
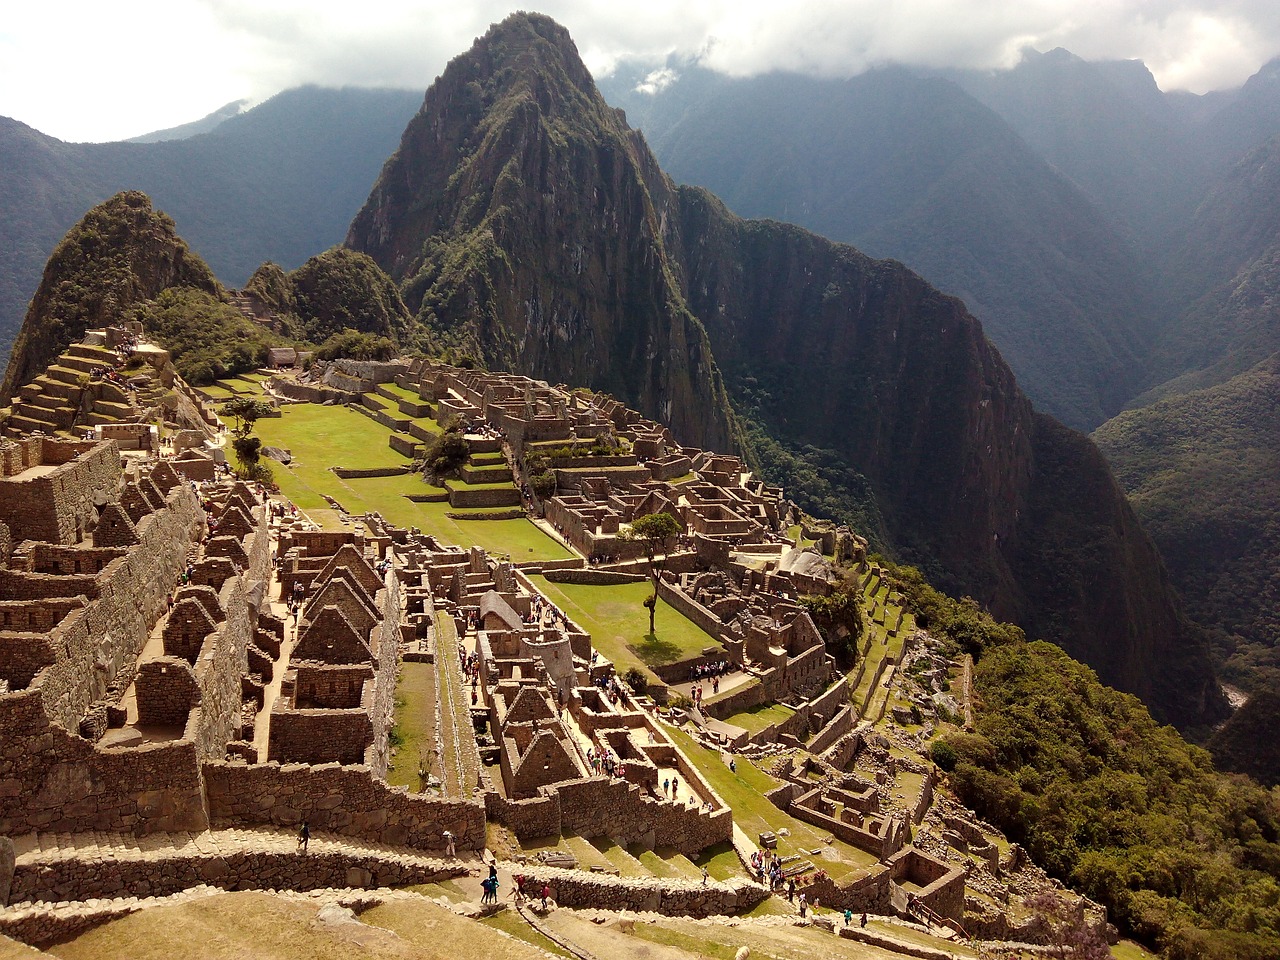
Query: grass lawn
pixel 744 791
pixel 757 718
pixel 320 437
pixel 415 722
pixel 619 624
pixel 427 929
pixel 721 861
pixel 402 392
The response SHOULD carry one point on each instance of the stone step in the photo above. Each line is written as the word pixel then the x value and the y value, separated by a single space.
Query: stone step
pixel 46 402
pixel 120 411
pixel 82 364
pixel 21 423
pixel 55 388
pixel 65 374
pixel 85 351
pixel 58 416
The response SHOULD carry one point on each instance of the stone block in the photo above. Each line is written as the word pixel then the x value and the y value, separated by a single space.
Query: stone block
pixel 7 859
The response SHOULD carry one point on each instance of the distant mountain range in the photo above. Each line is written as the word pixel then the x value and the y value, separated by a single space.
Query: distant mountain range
pixel 278 182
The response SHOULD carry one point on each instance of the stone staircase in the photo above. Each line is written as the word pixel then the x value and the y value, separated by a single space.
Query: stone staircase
pixel 56 867
pixel 51 402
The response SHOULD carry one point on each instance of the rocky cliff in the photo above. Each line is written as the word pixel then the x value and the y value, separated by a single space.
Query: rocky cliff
pixel 522 219
pixel 121 254
pixel 526 222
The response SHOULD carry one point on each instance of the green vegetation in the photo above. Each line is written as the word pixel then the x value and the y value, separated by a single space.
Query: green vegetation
pixel 1200 470
pixel 839 616
pixel 245 412
pixel 342 290
pixel 1122 809
pixel 653 531
pixel 207 338
pixel 609 615
pixel 415 724
pixel 354 345
pixel 120 255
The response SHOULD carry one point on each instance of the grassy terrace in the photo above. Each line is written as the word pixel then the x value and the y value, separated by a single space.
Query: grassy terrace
pixel 744 791
pixel 320 437
pixel 415 723
pixel 758 718
pixel 619 624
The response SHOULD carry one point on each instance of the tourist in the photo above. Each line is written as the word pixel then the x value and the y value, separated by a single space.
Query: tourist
pixel 848 916
pixel 304 836
pixel 704 876
pixel 675 787
pixel 449 849
pixel 804 906
pixel 791 890
pixel 666 783
pixel 546 893
pixel 864 920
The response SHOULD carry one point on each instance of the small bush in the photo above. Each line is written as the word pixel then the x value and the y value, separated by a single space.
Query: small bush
pixel 637 681
pixel 943 754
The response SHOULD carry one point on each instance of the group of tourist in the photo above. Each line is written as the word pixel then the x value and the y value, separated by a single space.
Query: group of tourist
pixel 714 670
pixel 605 761
pixel 766 866
pixel 610 687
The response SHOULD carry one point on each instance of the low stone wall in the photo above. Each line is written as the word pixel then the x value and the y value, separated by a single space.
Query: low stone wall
pixel 671 897
pixel 404 445
pixel 527 819
pixel 162 875
pixel 868 893
pixel 345 800
pixel 460 495
pixel 594 577
pixel 359 473
pixel 690 608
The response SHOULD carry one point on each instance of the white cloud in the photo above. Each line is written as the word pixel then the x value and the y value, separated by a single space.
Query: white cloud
pixel 94 70
pixel 655 81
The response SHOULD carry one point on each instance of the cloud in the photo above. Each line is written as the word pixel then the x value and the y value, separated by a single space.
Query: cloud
pixel 91 70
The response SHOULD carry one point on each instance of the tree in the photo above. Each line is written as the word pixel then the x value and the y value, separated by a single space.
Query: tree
pixel 245 412
pixel 654 530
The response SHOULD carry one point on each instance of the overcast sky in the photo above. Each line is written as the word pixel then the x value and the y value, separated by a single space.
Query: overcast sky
pixel 110 69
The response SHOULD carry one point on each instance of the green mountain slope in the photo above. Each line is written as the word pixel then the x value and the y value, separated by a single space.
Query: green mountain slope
pixel 525 221
pixel 1203 472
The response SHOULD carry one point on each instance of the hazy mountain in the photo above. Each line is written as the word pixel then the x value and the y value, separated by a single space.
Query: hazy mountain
pixel 916 169
pixel 526 222
pixel 1107 127
pixel 203 125
pixel 279 182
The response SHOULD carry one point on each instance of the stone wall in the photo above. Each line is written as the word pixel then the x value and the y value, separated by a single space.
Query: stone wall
pixel 55 781
pixel 74 879
pixel 319 736
pixel 672 897
pixel 943 883
pixel 598 806
pixel 345 800
pixel 867 893
pixel 691 609
pixel 58 506
pixel 97 642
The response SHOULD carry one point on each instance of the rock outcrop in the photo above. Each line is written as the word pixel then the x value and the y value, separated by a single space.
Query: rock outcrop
pixel 527 224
